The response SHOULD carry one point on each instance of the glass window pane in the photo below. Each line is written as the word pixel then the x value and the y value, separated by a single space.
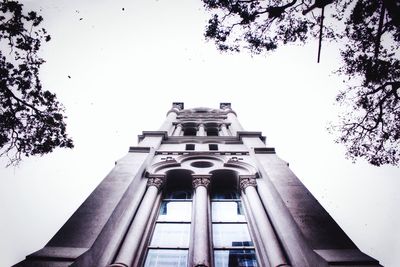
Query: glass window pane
pixel 175 211
pixel 166 257
pixel 179 194
pixel 171 235
pixel 235 258
pixel 231 235
pixel 218 194
pixel 231 211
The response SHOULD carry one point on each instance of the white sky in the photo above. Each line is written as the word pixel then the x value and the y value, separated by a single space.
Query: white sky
pixel 128 66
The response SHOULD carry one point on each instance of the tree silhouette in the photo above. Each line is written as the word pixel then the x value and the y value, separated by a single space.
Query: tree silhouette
pixel 31 118
pixel 369 32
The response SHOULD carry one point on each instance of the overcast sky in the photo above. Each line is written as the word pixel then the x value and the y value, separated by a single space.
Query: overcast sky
pixel 128 66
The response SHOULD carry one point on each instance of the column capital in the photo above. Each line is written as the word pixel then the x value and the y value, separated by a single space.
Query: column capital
pixel 201 180
pixel 247 180
pixel 156 180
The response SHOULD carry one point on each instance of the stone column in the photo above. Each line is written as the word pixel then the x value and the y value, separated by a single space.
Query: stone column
pixel 178 130
pixel 131 243
pixel 274 252
pixel 201 131
pixel 224 130
pixel 201 242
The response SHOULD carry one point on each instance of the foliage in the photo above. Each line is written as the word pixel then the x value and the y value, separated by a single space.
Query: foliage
pixel 31 118
pixel 369 32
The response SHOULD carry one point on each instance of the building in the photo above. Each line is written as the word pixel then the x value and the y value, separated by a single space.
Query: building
pixel 200 192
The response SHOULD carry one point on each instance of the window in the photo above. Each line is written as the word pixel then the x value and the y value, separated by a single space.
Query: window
pixel 213 146
pixel 211 131
pixel 232 243
pixel 166 257
pixel 189 146
pixel 231 240
pixel 189 131
pixel 169 244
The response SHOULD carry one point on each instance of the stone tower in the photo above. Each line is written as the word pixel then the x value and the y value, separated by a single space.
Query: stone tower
pixel 200 191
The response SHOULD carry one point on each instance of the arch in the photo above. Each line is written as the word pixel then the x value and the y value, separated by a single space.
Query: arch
pixel 203 164
pixel 182 158
pixel 179 181
pixel 158 167
pixel 235 163
pixel 224 181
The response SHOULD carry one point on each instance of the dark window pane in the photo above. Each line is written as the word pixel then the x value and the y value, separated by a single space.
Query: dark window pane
pixel 227 211
pixel 212 132
pixel 213 146
pixel 171 235
pixel 217 194
pixel 166 257
pixel 179 194
pixel 189 146
pixel 190 132
pixel 175 211
pixel 235 258
pixel 231 235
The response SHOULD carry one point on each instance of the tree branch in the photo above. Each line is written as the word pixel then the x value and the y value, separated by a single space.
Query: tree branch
pixel 379 31
pixel 22 101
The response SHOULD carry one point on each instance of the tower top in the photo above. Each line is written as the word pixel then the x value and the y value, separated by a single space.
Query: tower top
pixel 179 107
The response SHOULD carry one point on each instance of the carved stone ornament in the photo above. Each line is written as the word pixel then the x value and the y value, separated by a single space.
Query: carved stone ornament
pixel 203 180
pixel 247 181
pixel 178 105
pixel 156 181
pixel 225 105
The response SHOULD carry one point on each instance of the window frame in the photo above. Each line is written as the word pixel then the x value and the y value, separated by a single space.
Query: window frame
pixel 236 197
pixel 166 196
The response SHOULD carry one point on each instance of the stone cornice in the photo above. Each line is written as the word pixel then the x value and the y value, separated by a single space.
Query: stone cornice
pixel 203 153
pixel 163 134
pixel 203 139
pixel 241 134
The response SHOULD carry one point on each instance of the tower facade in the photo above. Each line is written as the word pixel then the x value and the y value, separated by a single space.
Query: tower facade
pixel 201 191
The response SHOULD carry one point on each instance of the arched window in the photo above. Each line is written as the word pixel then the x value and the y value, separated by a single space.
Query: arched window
pixel 169 244
pixel 232 243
